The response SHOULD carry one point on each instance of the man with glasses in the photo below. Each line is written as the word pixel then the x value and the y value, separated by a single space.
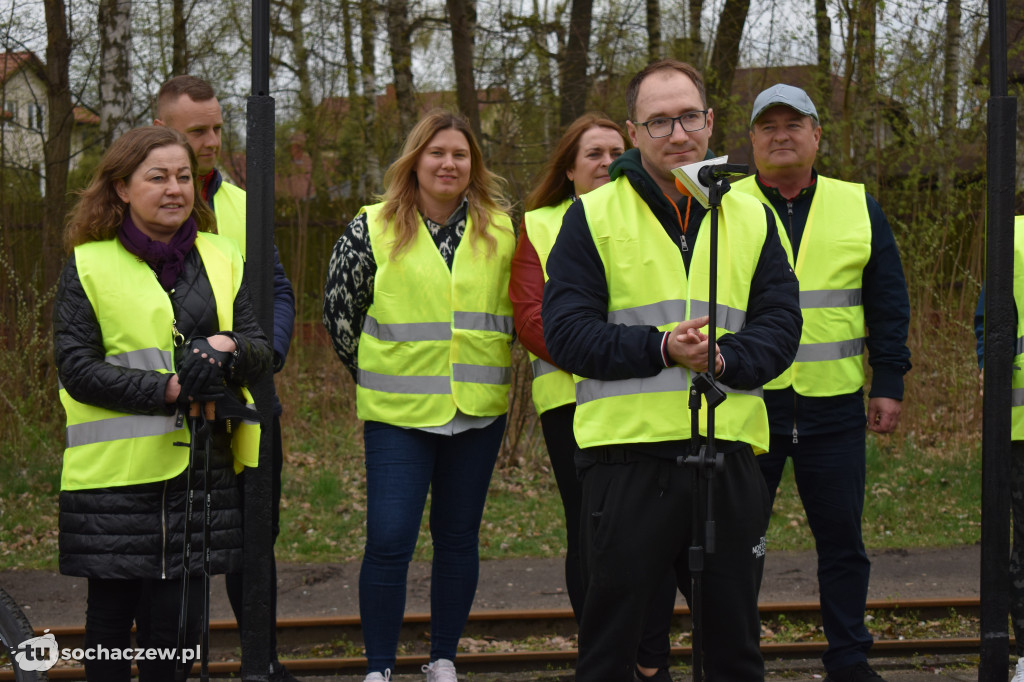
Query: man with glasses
pixel 851 280
pixel 625 310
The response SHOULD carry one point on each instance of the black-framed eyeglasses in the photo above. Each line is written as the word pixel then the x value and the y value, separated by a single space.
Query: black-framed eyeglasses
pixel 690 122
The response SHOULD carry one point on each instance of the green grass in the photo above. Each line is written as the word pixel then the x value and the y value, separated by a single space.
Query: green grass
pixel 913 498
pixel 919 494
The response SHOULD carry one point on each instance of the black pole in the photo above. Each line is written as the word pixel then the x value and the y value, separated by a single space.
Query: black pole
pixel 259 169
pixel 1000 335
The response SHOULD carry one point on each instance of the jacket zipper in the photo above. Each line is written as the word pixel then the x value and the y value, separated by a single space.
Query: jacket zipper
pixel 163 533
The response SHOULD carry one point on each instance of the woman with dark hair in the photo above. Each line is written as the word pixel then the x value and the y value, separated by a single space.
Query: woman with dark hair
pixel 416 304
pixel 580 164
pixel 151 315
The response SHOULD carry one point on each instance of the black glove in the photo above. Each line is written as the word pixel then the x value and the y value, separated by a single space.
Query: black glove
pixel 202 371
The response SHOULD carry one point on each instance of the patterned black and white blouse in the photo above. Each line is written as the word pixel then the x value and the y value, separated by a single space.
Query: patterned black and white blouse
pixel 350 273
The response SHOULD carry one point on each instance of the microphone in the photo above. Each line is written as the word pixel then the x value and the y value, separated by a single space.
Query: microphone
pixel 711 173
pixel 698 178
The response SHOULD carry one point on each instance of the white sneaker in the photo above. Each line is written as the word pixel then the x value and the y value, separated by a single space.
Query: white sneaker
pixel 441 670
pixel 378 677
pixel 1019 675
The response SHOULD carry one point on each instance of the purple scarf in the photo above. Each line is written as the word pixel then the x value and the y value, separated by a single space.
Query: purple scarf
pixel 167 260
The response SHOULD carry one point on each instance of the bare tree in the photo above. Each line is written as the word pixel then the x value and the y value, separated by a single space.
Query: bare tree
pixel 462 15
pixel 368 102
pixel 400 40
pixel 724 58
pixel 57 147
pixel 951 75
pixel 823 26
pixel 573 67
pixel 179 39
pixel 653 29
pixel 115 28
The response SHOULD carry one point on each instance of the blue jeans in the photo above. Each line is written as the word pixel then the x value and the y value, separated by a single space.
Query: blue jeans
pixel 829 471
pixel 401 466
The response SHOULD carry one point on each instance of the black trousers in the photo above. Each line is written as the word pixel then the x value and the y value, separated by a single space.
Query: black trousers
pixel 113 605
pixel 655 646
pixel 233 581
pixel 637 524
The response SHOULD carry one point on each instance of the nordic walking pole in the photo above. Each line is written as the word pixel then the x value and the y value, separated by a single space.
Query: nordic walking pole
pixel 209 413
pixel 186 558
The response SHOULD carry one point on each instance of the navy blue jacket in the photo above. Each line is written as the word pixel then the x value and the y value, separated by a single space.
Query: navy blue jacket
pixel 284 301
pixel 575 308
pixel 886 315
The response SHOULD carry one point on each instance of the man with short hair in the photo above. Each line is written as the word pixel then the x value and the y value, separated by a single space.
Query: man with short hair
pixel 189 105
pixel 624 308
pixel 851 280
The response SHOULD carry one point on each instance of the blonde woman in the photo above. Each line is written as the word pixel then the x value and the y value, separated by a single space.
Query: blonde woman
pixel 416 304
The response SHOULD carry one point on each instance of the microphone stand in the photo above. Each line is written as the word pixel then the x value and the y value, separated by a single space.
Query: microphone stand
pixel 703 457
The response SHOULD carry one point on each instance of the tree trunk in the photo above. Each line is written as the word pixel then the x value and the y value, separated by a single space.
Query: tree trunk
pixel 368 102
pixel 573 69
pixel 696 43
pixel 179 39
pixel 866 139
pixel 57 147
pixel 951 77
pixel 462 15
pixel 723 61
pixel 400 39
pixel 115 68
pixel 824 75
pixel 653 30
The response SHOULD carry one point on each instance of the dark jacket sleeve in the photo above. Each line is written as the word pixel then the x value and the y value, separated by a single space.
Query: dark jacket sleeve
pixel 81 365
pixel 348 291
pixel 769 340
pixel 526 290
pixel 255 356
pixel 886 309
pixel 284 313
pixel 577 333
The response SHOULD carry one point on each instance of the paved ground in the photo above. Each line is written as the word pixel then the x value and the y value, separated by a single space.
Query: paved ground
pixel 51 600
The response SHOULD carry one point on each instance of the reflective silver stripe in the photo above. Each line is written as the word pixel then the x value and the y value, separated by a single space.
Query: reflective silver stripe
pixel 484 322
pixel 407 331
pixel 1017 397
pixel 834 350
pixel 481 374
pixel 830 298
pixel 757 392
pixel 118 428
pixel 730 319
pixel 542 367
pixel 146 358
pixel 654 314
pixel 404 384
pixel 671 379
pixel 1020 346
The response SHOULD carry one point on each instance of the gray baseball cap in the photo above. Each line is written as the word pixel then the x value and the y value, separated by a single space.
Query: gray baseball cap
pixel 789 95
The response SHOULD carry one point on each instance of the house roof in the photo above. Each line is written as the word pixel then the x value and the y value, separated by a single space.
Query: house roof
pixel 12 62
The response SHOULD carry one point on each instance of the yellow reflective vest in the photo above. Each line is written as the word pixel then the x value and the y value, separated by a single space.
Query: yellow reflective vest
pixel 552 387
pixel 436 340
pixel 229 206
pixel 106 448
pixel 648 284
pixel 834 248
pixel 1017 383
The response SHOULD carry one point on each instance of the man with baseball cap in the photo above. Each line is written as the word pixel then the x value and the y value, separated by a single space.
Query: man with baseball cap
pixel 851 280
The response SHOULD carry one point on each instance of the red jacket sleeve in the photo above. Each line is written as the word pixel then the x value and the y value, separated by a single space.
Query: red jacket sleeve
pixel 526 289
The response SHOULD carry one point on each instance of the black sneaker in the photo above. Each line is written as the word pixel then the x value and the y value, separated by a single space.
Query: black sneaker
pixel 660 676
pixel 279 673
pixel 858 672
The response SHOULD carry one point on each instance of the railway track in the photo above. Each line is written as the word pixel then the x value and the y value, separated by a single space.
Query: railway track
pixel 317 641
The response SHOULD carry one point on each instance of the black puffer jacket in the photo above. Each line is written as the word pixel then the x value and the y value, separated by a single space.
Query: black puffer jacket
pixel 136 531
